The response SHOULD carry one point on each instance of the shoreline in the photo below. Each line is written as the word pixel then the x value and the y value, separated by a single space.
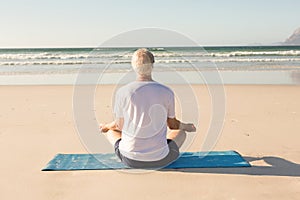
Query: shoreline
pixel 178 77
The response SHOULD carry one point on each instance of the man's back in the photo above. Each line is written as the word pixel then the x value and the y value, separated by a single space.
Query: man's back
pixel 145 107
pixel 143 110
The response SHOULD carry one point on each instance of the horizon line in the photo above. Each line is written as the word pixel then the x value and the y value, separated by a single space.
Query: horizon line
pixel 91 47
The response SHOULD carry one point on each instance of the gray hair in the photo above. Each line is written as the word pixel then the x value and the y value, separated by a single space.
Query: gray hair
pixel 142 62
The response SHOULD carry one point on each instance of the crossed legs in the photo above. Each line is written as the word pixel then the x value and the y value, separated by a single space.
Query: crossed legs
pixel 178 136
pixel 113 136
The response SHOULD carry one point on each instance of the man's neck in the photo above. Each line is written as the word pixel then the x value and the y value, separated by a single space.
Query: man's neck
pixel 144 78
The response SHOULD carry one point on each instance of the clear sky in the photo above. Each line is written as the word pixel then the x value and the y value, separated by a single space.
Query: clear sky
pixel 71 23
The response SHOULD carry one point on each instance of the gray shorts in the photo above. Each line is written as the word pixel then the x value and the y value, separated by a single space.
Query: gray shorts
pixel 171 157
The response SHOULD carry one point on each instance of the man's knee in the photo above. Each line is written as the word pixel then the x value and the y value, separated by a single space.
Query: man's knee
pixel 113 136
pixel 180 138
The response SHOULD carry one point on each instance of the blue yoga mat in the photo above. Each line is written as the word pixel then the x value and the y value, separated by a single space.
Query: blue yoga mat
pixel 213 159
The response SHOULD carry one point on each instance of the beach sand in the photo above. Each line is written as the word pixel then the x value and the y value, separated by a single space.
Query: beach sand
pixel 262 123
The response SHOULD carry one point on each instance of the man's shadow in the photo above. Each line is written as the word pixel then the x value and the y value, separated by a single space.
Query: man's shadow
pixel 277 167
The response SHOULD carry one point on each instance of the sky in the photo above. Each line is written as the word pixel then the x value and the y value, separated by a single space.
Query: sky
pixel 89 23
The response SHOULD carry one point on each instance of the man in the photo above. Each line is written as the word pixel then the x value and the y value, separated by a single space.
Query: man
pixel 143 110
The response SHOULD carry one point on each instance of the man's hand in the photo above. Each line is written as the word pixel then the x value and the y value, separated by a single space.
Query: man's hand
pixel 106 127
pixel 188 127
pixel 174 123
pixel 116 125
pixel 103 128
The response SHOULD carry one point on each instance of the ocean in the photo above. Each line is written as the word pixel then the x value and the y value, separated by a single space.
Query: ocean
pixel 236 64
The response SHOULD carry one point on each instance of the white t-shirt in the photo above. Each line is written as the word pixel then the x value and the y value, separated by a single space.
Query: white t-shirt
pixel 145 107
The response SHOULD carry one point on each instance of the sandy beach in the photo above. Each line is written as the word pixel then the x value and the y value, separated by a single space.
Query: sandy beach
pixel 262 123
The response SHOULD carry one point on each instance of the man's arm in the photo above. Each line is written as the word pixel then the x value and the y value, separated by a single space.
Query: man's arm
pixel 175 124
pixel 116 125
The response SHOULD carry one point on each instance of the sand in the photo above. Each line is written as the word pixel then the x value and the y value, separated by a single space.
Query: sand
pixel 262 122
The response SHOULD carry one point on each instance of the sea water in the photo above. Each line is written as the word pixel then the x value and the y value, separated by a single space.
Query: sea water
pixel 234 65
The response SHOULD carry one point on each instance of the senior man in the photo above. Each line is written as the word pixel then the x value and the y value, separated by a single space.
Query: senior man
pixel 143 110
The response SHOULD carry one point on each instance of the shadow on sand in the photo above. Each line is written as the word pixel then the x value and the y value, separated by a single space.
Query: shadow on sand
pixel 278 167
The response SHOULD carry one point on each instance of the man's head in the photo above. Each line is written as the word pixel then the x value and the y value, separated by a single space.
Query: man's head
pixel 142 62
